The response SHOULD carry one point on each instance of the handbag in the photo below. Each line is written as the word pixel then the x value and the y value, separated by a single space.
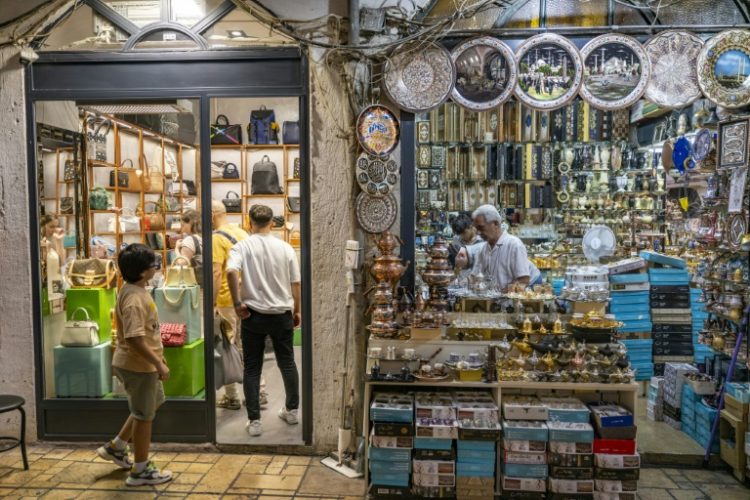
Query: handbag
pixel 224 133
pixel 190 185
pixel 179 275
pixel 80 333
pixel 180 304
pixel 262 127
pixel 152 221
pixel 294 204
pixel 91 273
pixel 99 198
pixel 290 132
pixel 126 222
pixel 127 177
pixel 230 171
pixel 169 202
pixel 227 359
pixel 69 174
pixel 173 334
pixel 152 179
pixel 265 178
pixel 66 205
pixel 278 221
pixel 233 205
pixel 155 241
pixel 217 169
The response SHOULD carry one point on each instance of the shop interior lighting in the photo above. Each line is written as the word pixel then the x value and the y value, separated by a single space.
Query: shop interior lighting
pixel 135 109
pixel 237 34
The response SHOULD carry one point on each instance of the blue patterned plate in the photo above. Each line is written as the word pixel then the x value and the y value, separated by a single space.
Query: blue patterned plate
pixel 702 144
pixel 681 152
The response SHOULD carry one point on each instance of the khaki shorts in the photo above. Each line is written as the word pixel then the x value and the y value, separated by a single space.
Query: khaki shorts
pixel 145 392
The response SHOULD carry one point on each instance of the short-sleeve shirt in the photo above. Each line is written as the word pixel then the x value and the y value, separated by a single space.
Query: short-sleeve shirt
pixel 220 246
pixel 506 262
pixel 136 316
pixel 268 266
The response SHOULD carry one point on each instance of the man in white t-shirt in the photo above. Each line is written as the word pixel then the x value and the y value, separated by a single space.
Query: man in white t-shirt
pixel 267 298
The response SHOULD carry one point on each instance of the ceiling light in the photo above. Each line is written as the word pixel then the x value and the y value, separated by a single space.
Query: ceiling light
pixel 237 34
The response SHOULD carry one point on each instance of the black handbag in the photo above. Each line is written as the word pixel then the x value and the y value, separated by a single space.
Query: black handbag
pixel 123 179
pixel 294 204
pixel 290 132
pixel 230 171
pixel 278 221
pixel 233 205
pixel 265 178
pixel 224 133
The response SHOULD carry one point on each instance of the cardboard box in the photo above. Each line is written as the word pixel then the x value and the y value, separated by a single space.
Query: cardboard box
pixel 735 407
pixel 434 480
pixel 437 428
pixel 434 467
pixel 598 495
pixel 439 455
pixel 615 446
pixel 390 479
pixel 388 454
pixel 617 432
pixel 566 409
pixel 390 441
pixel 617 474
pixel 392 429
pixel 434 405
pixel 571 460
pixel 574 432
pixel 615 486
pixel 389 466
pixel 611 415
pixel 525 430
pixel 477 410
pixel 433 491
pixel 525 470
pixel 523 484
pixel 524 408
pixel 617 461
pixel 569 448
pixel 571 486
pixel 475 482
pixel 571 473
pixel 476 456
pixel 425 443
pixel 524 446
pixel 512 457
pixel 732 440
pixel 464 469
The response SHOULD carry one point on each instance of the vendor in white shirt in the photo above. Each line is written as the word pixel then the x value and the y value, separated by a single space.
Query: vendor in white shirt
pixel 501 256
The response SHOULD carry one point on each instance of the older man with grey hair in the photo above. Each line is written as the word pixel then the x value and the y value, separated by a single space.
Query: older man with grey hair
pixel 501 256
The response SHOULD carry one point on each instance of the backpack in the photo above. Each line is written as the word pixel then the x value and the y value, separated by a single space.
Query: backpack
pixel 265 178
pixel 196 261
pixel 260 130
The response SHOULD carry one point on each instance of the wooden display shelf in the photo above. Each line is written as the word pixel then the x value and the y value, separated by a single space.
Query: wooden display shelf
pixel 227 146
pixel 281 195
pixel 105 164
pixel 103 211
pixel 265 146
pixel 130 233
pixel 231 181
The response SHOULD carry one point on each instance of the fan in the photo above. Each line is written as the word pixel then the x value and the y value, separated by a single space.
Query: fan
pixel 598 242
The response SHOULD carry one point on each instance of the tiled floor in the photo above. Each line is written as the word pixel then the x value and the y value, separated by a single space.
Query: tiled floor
pixel 64 473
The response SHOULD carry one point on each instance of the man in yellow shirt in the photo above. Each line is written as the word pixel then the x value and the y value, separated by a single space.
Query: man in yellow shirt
pixel 225 236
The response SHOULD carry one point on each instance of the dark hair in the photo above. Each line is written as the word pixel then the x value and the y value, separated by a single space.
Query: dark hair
pixel 133 260
pixel 461 223
pixel 193 218
pixel 260 215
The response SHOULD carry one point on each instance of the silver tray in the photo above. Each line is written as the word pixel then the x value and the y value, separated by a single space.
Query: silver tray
pixel 486 73
pixel 376 214
pixel 419 77
pixel 674 79
pixel 548 92
pixel 376 175
pixel 724 68
pixel 616 71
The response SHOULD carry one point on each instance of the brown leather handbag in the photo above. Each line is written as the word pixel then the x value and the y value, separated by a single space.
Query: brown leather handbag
pixel 152 178
pixel 153 215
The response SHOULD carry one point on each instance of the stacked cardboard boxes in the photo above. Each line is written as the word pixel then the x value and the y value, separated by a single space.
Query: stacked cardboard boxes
pixel 687 410
pixel 655 403
pixel 434 462
pixel 673 383
pixel 476 448
pixel 704 420
pixel 524 465
pixel 616 460
pixel 733 428
pixel 699 316
pixel 391 443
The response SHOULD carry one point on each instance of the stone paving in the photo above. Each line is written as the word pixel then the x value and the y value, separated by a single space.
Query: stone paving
pixel 66 472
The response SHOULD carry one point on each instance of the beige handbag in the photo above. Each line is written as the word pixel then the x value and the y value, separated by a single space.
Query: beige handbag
pixel 152 220
pixel 180 275
pixel 91 273
pixel 152 178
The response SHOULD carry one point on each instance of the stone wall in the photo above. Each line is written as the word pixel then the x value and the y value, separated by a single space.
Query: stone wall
pixel 16 337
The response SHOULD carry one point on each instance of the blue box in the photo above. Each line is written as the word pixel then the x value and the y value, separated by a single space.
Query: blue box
pixel 670 280
pixel 629 308
pixel 611 415
pixel 466 445
pixel 395 454
pixel 476 456
pixel 525 470
pixel 636 326
pixel 660 258
pixel 84 372
pixel 425 443
pixel 464 469
pixel 522 430
pixel 633 317
pixel 628 278
pixel 571 433
pixel 390 466
pixel 400 480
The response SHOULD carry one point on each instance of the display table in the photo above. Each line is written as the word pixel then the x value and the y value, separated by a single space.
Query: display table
pixel 98 302
pixel 83 371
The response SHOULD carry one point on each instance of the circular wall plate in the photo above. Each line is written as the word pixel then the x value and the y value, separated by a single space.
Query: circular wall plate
pixel 681 151
pixel 377 130
pixel 485 73
pixel 616 71
pixel 736 227
pixel 376 214
pixel 702 144
pixel 419 77
pixel 674 80
pixel 724 68
pixel 550 71
pixel 666 155
pixel 376 175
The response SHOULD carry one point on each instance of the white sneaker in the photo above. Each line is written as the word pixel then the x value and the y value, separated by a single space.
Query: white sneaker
pixel 254 428
pixel 288 416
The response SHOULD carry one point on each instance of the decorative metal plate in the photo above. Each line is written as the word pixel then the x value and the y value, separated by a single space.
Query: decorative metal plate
pixel 666 155
pixel 681 151
pixel 376 214
pixel 674 80
pixel 485 73
pixel 724 68
pixel 419 77
pixel 734 136
pixel 616 71
pixel 377 130
pixel 702 144
pixel 376 175
pixel 735 229
pixel 550 71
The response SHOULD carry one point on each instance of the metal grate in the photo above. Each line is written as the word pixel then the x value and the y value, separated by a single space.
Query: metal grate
pixel 136 109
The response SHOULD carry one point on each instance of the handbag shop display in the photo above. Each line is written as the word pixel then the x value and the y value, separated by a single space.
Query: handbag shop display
pixel 125 204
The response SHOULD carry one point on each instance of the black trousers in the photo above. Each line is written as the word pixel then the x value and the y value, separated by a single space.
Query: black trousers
pixel 255 329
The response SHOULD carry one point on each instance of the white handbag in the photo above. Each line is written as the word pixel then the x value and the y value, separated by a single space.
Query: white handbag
pixel 129 222
pixel 80 333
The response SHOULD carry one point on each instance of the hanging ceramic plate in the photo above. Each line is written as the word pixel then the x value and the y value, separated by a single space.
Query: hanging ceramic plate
pixel 377 130
pixel 419 77
pixel 485 73
pixel 376 175
pixel 549 71
pixel 376 213
pixel 702 144
pixel 681 153
pixel 724 68
pixel 615 71
pixel 736 227
pixel 673 57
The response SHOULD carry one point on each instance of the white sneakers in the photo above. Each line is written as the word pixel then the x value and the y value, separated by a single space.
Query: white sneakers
pixel 288 416
pixel 254 428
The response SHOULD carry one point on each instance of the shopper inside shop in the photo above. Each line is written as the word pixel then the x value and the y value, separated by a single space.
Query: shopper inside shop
pixel 190 245
pixel 501 256
pixel 52 237
pixel 265 284
pixel 464 236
